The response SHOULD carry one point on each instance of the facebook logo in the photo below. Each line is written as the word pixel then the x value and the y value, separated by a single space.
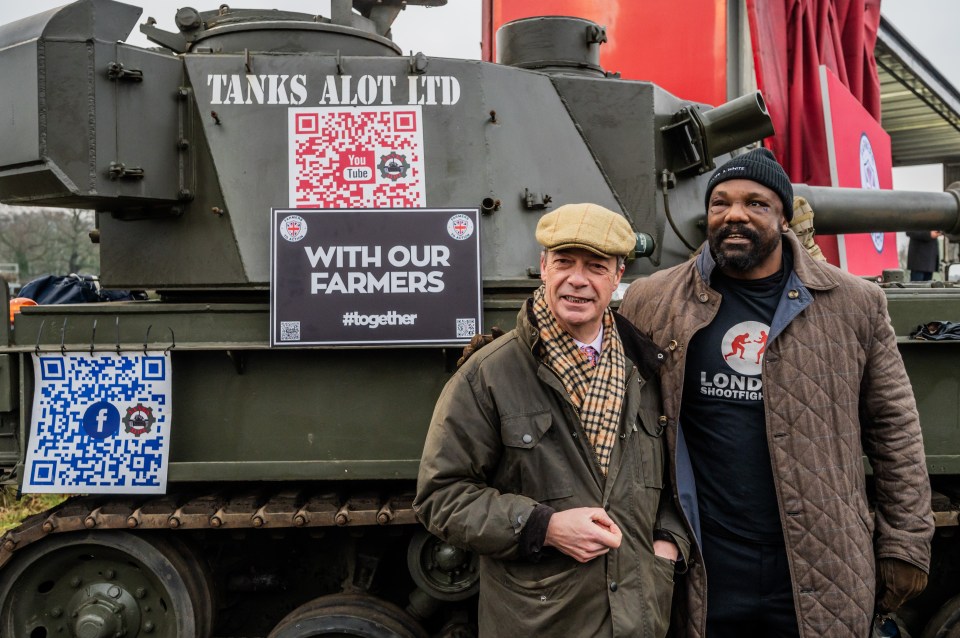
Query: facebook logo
pixel 101 420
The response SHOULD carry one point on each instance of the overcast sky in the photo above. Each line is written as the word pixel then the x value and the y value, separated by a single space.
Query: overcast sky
pixel 454 31
pixel 450 31
pixel 929 25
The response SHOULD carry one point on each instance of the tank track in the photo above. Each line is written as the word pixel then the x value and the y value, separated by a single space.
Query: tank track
pixel 253 509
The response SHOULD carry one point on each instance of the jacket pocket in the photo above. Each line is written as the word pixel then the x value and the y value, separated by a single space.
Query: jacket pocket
pixel 546 583
pixel 534 463
pixel 649 437
pixel 521 602
pixel 660 615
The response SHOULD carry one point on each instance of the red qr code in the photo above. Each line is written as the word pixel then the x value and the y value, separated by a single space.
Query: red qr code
pixel 369 157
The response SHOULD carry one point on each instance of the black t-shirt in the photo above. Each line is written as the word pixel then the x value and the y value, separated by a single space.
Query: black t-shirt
pixel 722 411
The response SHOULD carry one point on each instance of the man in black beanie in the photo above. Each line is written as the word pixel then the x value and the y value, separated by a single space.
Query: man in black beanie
pixel 781 373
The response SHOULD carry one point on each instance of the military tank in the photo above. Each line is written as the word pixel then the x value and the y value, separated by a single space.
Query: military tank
pixel 323 222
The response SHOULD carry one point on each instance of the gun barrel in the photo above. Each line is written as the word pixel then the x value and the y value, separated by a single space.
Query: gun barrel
pixel 856 210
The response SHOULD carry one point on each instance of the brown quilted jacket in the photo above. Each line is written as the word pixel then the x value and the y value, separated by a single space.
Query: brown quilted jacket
pixel 834 387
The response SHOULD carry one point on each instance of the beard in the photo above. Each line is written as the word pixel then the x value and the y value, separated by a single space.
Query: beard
pixel 741 259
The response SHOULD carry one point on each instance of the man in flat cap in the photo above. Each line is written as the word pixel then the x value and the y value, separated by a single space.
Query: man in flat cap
pixel 545 456
pixel 781 373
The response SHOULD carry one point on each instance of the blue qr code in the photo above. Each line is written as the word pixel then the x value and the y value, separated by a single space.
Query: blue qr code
pixel 100 423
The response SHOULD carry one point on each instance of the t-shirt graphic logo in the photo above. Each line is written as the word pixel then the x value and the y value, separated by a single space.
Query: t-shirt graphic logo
pixel 743 346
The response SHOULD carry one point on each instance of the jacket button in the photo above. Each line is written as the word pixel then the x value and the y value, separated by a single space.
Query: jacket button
pixel 527 438
pixel 673 344
pixel 662 420
pixel 703 297
pixel 793 294
pixel 613 586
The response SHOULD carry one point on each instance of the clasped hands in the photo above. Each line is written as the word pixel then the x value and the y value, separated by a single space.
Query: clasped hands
pixel 584 533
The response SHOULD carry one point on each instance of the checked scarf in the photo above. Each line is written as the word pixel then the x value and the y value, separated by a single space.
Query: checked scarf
pixel 596 391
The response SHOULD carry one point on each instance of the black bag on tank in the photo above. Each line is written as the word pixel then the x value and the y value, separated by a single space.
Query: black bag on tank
pixel 937 331
pixel 58 289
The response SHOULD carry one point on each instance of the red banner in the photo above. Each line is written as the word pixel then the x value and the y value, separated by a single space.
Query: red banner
pixel 791 40
pixel 859 154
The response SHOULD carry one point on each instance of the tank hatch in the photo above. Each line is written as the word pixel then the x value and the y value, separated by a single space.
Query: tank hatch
pixel 357 27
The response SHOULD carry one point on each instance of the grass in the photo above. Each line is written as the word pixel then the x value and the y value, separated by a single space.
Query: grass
pixel 13 511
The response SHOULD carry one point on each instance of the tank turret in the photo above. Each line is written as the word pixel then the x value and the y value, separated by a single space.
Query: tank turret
pixel 183 151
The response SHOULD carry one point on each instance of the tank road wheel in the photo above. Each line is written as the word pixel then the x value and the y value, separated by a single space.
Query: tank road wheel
pixel 443 571
pixel 359 615
pixel 99 585
pixel 196 576
pixel 946 622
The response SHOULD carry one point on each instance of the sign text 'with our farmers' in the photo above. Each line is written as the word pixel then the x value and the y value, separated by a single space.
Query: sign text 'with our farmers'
pixel 358 260
pixel 374 276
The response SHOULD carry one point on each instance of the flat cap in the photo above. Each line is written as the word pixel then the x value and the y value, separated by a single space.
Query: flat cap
pixel 589 226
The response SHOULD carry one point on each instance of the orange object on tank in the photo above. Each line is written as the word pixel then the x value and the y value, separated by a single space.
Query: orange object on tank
pixel 18 302
pixel 680 45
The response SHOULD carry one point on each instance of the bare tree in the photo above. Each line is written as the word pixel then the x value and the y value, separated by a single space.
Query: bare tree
pixel 47 240
pixel 79 254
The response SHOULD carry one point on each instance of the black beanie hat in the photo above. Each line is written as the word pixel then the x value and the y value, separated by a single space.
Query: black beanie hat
pixel 759 165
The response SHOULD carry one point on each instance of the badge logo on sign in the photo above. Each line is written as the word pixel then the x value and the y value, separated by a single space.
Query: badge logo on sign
pixel 139 420
pixel 868 165
pixel 869 179
pixel 293 228
pixel 393 166
pixel 460 227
